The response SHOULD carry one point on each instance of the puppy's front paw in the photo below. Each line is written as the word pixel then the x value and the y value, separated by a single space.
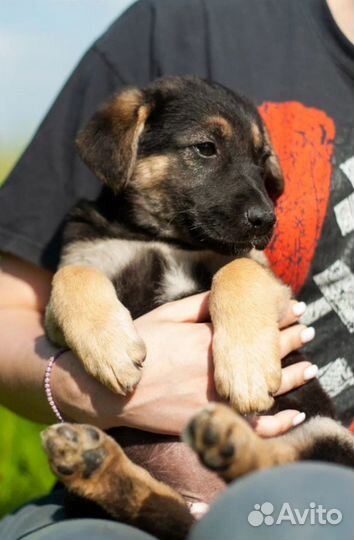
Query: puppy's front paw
pixel 106 342
pixel 85 314
pixel 113 352
pixel 223 440
pixel 247 369
pixel 245 304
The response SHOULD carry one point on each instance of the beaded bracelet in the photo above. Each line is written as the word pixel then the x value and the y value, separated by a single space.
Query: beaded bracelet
pixel 47 388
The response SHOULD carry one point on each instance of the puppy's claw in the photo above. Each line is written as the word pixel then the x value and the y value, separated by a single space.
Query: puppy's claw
pixel 122 377
pixel 246 376
pixel 243 395
pixel 114 357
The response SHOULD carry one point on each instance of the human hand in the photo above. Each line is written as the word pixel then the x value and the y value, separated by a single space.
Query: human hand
pixel 199 389
pixel 177 377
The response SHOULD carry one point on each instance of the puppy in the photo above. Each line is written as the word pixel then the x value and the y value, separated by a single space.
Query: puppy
pixel 191 180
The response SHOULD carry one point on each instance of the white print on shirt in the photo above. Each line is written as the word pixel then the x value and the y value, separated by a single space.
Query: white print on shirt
pixel 337 286
pixel 337 282
pixel 344 211
pixel 336 377
pixel 315 311
pixel 348 168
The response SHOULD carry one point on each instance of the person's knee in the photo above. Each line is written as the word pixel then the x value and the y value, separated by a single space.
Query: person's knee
pixel 299 501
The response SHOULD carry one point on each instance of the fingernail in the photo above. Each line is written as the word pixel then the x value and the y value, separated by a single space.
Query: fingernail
pixel 299 418
pixel 307 334
pixel 310 372
pixel 299 308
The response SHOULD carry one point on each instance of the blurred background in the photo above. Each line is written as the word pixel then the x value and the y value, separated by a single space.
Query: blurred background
pixel 41 41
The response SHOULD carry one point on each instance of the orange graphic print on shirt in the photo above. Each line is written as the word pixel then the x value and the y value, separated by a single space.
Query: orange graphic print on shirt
pixel 303 139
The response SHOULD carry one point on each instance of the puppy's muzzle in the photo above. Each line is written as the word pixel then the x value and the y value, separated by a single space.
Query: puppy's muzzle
pixel 260 221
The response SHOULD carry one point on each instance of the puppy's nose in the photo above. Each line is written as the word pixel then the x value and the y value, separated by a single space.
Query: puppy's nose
pixel 260 220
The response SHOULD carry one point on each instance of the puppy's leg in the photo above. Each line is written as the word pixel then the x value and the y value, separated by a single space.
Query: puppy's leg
pixel 322 439
pixel 85 314
pixel 245 305
pixel 92 465
pixel 226 443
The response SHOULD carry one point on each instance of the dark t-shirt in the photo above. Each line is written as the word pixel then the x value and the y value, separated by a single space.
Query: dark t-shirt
pixel 292 59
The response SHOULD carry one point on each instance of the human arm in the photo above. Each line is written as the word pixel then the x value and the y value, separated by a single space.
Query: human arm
pixel 177 344
pixel 24 290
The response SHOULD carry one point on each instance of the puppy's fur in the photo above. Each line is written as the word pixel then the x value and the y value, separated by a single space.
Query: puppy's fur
pixel 191 180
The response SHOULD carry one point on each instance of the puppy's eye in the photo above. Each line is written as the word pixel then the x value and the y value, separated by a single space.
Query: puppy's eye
pixel 206 150
pixel 265 155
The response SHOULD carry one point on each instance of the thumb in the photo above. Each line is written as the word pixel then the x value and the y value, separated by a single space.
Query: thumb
pixel 190 309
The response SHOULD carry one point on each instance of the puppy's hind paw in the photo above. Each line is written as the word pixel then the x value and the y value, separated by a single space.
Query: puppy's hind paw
pixel 76 452
pixel 224 441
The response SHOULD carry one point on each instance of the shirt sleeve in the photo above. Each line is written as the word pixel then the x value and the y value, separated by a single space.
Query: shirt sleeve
pixel 50 178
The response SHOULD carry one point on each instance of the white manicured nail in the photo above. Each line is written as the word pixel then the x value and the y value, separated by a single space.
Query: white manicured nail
pixel 299 309
pixel 310 372
pixel 299 418
pixel 307 334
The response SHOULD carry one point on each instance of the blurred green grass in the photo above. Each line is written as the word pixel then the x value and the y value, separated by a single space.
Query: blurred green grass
pixel 24 471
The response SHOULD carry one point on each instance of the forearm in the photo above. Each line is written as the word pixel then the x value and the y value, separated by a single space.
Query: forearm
pixel 161 403
pixel 23 355
pixel 24 292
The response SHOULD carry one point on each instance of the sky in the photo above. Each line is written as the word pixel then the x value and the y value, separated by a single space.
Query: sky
pixel 41 41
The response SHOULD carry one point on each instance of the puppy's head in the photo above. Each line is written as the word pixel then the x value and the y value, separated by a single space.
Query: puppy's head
pixel 193 161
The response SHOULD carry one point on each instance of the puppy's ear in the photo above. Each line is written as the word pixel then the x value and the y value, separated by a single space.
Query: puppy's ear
pixel 109 143
pixel 274 179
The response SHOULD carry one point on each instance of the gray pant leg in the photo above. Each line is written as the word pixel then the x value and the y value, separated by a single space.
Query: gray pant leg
pixel 45 520
pixel 88 529
pixel 302 501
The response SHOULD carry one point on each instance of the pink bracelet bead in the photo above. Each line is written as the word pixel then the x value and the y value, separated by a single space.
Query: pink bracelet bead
pixel 47 388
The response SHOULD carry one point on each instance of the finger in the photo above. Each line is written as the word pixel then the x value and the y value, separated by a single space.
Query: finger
pixel 292 314
pixel 190 309
pixel 294 337
pixel 296 375
pixel 272 426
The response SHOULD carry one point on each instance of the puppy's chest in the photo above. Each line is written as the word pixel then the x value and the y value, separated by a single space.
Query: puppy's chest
pixel 147 274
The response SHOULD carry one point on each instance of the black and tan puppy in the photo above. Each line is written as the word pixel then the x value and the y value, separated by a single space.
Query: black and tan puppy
pixel 191 181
